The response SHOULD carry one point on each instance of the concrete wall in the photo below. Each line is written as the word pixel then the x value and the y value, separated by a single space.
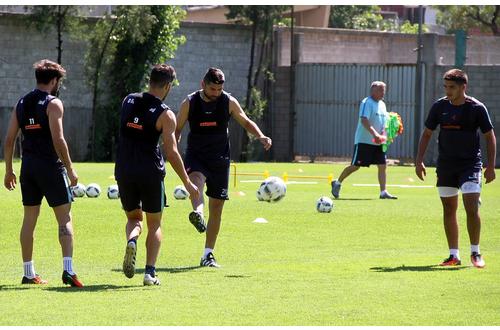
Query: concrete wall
pixel 354 46
pixel 20 48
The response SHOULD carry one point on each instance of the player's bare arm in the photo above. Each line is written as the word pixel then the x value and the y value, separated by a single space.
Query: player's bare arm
pixel 167 125
pixel 249 125
pixel 182 117
pixel 10 179
pixel 491 147
pixel 55 113
pixel 422 147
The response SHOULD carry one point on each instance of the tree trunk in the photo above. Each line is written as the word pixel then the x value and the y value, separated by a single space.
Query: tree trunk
pixel 90 147
pixel 244 138
pixel 59 34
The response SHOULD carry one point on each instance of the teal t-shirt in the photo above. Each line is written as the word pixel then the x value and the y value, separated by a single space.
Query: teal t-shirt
pixel 376 114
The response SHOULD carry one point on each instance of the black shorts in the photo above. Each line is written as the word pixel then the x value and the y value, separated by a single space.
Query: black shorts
pixel 40 178
pixel 148 195
pixel 368 154
pixel 456 177
pixel 216 172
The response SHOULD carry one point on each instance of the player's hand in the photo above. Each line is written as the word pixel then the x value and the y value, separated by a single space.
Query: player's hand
pixel 379 139
pixel 266 142
pixel 73 177
pixel 489 174
pixel 10 180
pixel 193 191
pixel 420 171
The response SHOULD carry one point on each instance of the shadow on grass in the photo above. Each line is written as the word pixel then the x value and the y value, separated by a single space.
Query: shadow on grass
pixel 237 276
pixel 171 270
pixel 16 287
pixel 96 287
pixel 404 268
pixel 355 199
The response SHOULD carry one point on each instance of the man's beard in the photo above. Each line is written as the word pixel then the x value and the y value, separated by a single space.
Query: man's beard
pixel 55 91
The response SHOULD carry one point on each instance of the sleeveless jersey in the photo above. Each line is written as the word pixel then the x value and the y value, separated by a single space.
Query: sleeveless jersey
pixel 31 112
pixel 208 122
pixel 138 153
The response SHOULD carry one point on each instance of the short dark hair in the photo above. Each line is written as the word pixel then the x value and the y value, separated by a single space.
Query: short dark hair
pixel 456 75
pixel 161 75
pixel 46 70
pixel 214 76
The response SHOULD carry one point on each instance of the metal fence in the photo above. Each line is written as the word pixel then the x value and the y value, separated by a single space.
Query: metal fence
pixel 327 106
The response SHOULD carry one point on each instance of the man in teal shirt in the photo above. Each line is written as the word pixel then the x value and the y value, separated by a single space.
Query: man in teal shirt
pixel 370 134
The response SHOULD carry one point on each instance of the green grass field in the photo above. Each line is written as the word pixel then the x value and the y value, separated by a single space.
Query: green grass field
pixel 369 262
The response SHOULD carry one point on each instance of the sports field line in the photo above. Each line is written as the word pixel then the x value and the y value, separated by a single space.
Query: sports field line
pixel 390 185
pixel 288 182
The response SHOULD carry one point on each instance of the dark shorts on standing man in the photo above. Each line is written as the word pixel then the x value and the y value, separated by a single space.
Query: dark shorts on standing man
pixel 148 195
pixel 368 154
pixel 40 178
pixel 456 176
pixel 216 171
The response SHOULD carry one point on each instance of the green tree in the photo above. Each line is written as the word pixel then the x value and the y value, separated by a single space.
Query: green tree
pixel 123 49
pixel 355 17
pixel 261 19
pixel 465 17
pixel 61 19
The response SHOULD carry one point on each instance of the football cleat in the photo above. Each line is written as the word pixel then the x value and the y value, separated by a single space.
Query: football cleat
pixel 35 280
pixel 151 280
pixel 336 185
pixel 451 261
pixel 129 259
pixel 196 218
pixel 209 261
pixel 477 260
pixel 386 195
pixel 72 280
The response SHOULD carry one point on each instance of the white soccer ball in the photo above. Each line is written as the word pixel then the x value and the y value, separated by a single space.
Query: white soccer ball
pixel 93 190
pixel 180 192
pixel 273 189
pixel 78 190
pixel 324 205
pixel 113 192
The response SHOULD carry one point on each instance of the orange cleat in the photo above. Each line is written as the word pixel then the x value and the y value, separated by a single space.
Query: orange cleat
pixel 451 261
pixel 71 280
pixel 35 280
pixel 477 260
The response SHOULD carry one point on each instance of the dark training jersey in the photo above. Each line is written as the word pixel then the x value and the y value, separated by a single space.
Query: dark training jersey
pixel 31 112
pixel 459 144
pixel 138 153
pixel 208 122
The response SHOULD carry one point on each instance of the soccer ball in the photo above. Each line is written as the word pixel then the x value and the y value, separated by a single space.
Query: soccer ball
pixel 273 189
pixel 113 192
pixel 78 190
pixel 261 195
pixel 180 192
pixel 324 205
pixel 93 190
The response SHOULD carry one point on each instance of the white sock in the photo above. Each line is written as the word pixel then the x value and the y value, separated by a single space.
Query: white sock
pixel 206 252
pixel 68 265
pixel 383 192
pixel 454 252
pixel 29 269
pixel 474 248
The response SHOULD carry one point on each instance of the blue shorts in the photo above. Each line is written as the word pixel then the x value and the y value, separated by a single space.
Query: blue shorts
pixel 367 154
pixel 148 196
pixel 216 171
pixel 40 178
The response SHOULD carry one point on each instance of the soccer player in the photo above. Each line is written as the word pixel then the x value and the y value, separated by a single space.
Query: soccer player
pixel 46 168
pixel 140 169
pixel 207 156
pixel 459 165
pixel 370 134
